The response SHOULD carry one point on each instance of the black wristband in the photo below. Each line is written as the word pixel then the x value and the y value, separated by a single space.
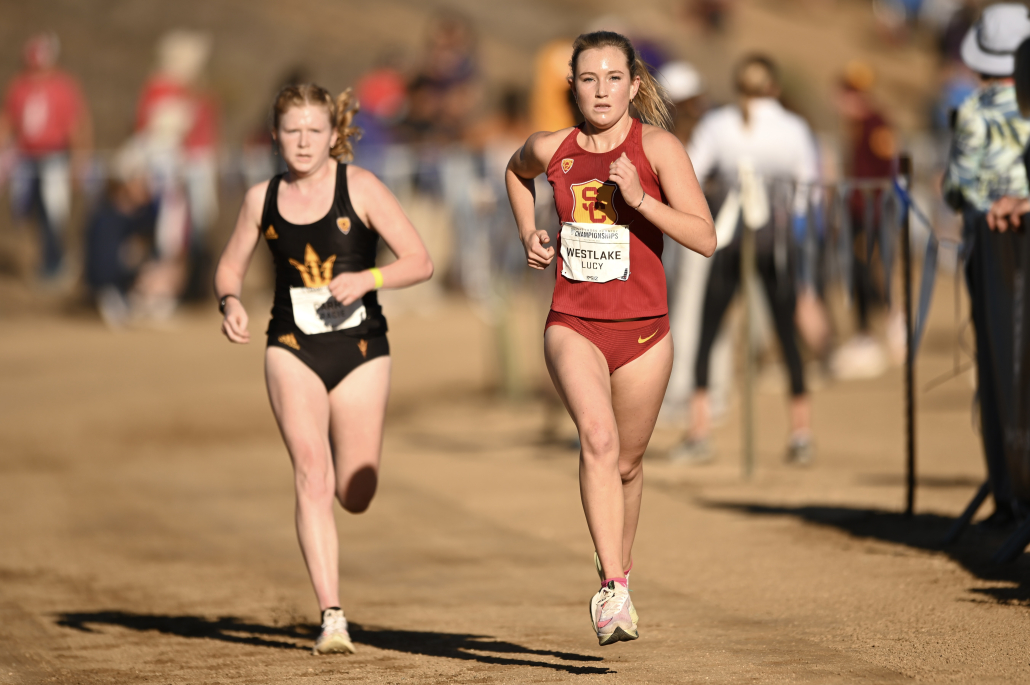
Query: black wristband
pixel 221 302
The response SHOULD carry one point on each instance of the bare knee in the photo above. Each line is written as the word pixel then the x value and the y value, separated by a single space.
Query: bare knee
pixel 312 479
pixel 600 444
pixel 356 493
pixel 631 467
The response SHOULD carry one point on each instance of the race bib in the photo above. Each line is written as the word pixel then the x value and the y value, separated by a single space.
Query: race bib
pixel 315 310
pixel 595 253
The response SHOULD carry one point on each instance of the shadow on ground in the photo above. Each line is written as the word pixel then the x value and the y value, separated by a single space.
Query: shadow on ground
pixel 479 648
pixel 923 532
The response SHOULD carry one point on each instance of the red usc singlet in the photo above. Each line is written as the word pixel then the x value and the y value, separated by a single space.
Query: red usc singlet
pixel 583 194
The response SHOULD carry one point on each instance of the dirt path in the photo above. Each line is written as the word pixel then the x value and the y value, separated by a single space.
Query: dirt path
pixel 146 531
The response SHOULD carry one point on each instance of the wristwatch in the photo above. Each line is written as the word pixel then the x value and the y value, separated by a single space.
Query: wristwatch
pixel 221 302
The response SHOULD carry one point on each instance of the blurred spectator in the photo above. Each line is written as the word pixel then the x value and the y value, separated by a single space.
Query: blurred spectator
pixel 551 103
pixel 871 149
pixel 182 120
pixel 963 15
pixel 383 99
pixel 686 90
pixel 496 139
pixel 120 236
pixel 985 165
pixel 46 117
pixel 686 271
pixel 444 93
pixel 755 147
pixel 179 122
pixel 713 15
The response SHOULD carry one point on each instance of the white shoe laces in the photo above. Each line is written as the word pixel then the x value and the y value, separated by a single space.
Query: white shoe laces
pixel 334 622
pixel 611 602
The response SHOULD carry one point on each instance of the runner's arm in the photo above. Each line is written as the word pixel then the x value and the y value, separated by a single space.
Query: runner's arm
pixel 232 265
pixel 379 209
pixel 686 219
pixel 528 162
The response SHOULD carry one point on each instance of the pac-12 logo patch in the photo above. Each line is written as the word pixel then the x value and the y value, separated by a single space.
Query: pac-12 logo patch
pixel 343 223
pixel 594 202
pixel 566 164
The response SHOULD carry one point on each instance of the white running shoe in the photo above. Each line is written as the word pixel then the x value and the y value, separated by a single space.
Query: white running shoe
pixel 334 638
pixel 600 574
pixel 610 614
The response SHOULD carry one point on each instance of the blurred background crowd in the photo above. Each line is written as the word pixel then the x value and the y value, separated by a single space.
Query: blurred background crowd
pixel 126 143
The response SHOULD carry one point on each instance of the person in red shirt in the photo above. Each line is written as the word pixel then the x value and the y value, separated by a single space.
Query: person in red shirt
pixel 619 185
pixel 181 121
pixel 45 117
pixel 871 156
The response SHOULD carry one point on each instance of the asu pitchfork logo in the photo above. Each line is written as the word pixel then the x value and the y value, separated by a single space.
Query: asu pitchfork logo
pixel 314 272
pixel 594 202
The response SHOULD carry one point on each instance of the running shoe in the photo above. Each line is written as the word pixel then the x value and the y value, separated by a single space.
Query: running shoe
pixel 334 638
pixel 600 574
pixel 610 614
pixel 800 451
pixel 692 452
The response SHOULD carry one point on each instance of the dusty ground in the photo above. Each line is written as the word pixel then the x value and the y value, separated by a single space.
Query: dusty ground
pixel 146 530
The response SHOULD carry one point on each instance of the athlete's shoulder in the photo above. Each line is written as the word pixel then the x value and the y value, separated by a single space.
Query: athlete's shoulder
pixel 256 194
pixel 545 143
pixel 361 179
pixel 658 136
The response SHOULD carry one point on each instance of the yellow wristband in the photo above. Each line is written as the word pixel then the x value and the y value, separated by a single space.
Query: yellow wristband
pixel 378 276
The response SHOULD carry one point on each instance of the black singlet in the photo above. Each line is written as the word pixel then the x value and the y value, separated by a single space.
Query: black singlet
pixel 302 253
pixel 308 256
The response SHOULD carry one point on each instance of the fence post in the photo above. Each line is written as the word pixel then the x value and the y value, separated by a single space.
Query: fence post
pixel 747 270
pixel 905 173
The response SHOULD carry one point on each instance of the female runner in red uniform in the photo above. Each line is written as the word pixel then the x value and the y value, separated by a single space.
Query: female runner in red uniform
pixel 619 184
pixel 327 364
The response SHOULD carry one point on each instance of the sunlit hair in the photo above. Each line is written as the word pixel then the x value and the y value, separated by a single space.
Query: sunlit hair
pixel 341 113
pixel 756 76
pixel 652 103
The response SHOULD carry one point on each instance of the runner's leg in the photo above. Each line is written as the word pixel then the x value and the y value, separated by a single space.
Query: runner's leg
pixel 357 406
pixel 637 392
pixel 301 407
pixel 580 375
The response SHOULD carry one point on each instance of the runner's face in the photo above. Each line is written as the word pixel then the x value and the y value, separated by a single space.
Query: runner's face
pixel 603 86
pixel 305 137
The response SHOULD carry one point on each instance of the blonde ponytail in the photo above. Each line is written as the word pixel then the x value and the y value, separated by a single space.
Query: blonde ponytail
pixel 341 113
pixel 652 103
pixel 346 107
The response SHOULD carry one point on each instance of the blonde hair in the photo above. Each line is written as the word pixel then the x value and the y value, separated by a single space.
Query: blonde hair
pixel 341 113
pixel 652 103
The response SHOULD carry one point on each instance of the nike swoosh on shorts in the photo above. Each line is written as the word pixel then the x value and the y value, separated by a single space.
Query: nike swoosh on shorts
pixel 644 340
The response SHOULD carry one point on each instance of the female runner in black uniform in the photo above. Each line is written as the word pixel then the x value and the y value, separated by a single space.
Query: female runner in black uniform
pixel 327 365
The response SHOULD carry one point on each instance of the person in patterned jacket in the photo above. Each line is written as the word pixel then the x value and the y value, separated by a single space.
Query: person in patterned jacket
pixel 985 166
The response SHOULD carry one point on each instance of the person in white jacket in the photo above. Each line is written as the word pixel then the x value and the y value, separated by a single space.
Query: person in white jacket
pixel 760 151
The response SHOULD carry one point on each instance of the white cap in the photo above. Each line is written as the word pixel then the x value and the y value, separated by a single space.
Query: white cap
pixel 990 44
pixel 681 80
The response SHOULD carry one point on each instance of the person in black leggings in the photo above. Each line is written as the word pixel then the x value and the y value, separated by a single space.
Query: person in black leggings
pixel 755 138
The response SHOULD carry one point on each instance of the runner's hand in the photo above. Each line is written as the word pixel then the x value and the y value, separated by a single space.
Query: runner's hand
pixel 1007 212
pixel 625 176
pixel 349 287
pixel 538 256
pixel 234 323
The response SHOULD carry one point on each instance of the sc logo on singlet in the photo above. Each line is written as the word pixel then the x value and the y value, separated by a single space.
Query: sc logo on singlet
pixel 594 202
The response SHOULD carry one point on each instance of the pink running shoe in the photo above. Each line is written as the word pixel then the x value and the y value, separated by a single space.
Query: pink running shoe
pixel 610 614
pixel 600 574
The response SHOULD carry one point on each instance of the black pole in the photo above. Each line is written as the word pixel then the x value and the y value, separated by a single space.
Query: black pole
pixel 905 172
